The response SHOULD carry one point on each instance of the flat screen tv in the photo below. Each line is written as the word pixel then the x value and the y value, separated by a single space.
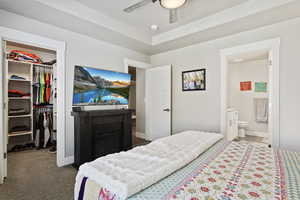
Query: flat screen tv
pixel 100 87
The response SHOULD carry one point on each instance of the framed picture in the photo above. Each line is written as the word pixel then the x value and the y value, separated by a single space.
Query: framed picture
pixel 246 86
pixel 261 86
pixel 194 80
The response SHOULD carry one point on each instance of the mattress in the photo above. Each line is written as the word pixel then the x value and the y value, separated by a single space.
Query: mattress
pixel 227 170
pixel 127 173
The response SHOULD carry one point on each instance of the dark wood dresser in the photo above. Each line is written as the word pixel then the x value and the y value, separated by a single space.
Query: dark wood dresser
pixel 101 132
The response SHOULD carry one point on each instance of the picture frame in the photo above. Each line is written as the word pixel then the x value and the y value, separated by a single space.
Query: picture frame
pixel 246 86
pixel 194 80
pixel 261 87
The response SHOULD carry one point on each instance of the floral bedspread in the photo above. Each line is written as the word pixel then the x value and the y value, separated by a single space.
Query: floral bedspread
pixel 227 171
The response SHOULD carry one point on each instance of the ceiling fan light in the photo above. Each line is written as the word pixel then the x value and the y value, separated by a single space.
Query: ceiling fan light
pixel 172 4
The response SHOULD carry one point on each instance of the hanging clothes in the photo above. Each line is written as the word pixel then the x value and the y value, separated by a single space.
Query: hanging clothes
pixel 43 129
pixel 43 86
pixel 36 85
pixel 42 94
pixel 52 92
pixel 48 87
pixel 46 130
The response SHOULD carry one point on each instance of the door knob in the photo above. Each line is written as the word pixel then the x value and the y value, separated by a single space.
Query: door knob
pixel 167 110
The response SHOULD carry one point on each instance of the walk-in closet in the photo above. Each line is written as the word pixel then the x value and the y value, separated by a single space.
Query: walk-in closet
pixel 29 98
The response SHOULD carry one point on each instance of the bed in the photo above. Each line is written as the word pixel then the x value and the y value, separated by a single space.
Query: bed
pixel 224 171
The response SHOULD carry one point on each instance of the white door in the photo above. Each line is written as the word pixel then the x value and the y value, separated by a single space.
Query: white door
pixel 3 138
pixel 158 102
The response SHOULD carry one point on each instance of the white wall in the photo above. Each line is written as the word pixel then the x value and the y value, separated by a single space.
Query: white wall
pixel 243 101
pixel 201 110
pixel 80 50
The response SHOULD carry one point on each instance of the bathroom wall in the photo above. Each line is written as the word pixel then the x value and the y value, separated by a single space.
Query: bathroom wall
pixel 255 71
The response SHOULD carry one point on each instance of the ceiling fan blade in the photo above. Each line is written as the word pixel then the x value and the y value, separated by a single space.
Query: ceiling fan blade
pixel 173 16
pixel 137 5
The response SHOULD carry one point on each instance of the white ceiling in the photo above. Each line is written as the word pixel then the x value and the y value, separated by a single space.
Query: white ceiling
pixel 150 14
pixel 200 20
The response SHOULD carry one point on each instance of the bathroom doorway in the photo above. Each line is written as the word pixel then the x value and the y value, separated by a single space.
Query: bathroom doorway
pixel 250 92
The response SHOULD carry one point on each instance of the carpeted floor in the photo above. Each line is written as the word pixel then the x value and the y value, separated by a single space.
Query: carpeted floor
pixel 33 175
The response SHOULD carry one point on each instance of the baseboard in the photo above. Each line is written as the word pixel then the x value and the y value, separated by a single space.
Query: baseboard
pixel 257 133
pixel 141 135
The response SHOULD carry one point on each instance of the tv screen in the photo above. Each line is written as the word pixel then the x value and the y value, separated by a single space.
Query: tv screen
pixel 100 87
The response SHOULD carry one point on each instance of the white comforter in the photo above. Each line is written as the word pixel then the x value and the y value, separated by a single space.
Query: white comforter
pixel 127 173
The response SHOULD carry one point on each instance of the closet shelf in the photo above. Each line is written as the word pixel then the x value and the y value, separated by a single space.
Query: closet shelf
pixel 20 80
pixel 19 116
pixel 28 63
pixel 20 62
pixel 19 98
pixel 42 65
pixel 12 134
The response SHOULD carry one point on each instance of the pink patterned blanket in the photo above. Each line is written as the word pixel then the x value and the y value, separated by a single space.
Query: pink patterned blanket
pixel 242 171
pixel 227 171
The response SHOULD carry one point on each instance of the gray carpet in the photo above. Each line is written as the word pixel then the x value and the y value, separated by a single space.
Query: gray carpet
pixel 33 175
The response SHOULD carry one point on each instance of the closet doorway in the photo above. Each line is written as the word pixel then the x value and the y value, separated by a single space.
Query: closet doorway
pixel 30 105
pixel 7 34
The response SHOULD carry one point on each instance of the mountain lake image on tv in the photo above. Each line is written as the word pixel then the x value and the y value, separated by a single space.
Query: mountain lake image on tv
pixel 100 87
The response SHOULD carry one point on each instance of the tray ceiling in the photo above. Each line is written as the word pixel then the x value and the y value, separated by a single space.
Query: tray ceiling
pixel 200 20
pixel 150 14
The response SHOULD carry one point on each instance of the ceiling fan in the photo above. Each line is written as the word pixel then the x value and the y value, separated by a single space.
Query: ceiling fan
pixel 171 5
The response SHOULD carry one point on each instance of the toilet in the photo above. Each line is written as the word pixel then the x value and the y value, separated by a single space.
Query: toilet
pixel 243 126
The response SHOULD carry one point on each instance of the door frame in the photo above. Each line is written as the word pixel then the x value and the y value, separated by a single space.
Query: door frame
pixel 273 47
pixel 134 63
pixel 141 65
pixel 8 34
pixel 2 138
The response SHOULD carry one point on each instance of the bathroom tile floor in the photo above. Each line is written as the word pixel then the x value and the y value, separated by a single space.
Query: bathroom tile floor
pixel 256 139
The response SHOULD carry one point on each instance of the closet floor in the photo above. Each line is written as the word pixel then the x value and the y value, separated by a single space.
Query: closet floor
pixel 33 175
